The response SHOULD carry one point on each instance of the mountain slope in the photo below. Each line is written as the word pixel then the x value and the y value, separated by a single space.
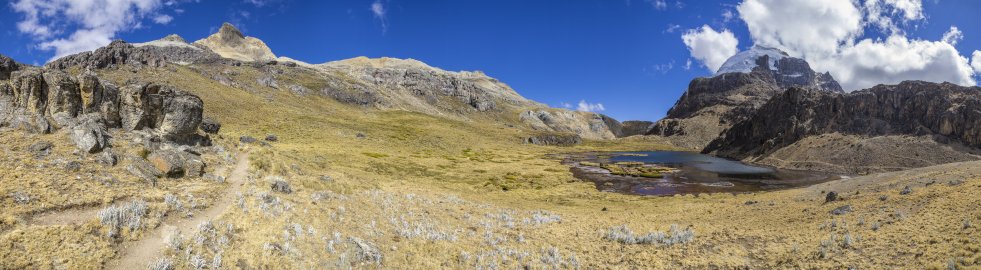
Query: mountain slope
pixel 382 83
pixel 713 104
pixel 928 123
pixel 230 43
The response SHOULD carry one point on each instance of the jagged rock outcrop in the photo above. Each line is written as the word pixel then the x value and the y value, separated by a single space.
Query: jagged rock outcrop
pixel 745 82
pixel 45 100
pixel 153 54
pixel 173 112
pixel 554 139
pixel 7 66
pixel 585 124
pixel 230 43
pixel 413 85
pixel 89 133
pixel 634 127
pixel 946 111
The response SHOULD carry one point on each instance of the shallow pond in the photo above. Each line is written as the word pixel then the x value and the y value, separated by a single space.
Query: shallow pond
pixel 684 173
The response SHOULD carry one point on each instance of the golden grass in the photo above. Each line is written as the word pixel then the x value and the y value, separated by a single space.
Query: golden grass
pixel 431 192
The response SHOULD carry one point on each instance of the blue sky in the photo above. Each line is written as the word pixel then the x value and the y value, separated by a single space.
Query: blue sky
pixel 628 56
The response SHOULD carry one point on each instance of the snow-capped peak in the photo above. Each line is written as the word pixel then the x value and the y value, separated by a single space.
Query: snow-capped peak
pixel 745 61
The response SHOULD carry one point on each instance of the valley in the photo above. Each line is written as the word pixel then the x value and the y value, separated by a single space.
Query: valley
pixel 218 154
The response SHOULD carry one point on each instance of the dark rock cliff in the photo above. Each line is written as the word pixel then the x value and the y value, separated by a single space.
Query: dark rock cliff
pixel 948 111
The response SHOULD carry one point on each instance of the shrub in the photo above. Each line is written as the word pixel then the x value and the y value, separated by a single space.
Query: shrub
pixel 364 251
pixel 129 216
pixel 624 235
pixel 161 264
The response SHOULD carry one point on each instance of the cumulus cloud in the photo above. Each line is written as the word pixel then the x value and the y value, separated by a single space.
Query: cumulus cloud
pixel 885 13
pixel 95 22
pixel 590 107
pixel 953 36
pixel 830 36
pixel 897 59
pixel 711 47
pixel 802 27
pixel 976 61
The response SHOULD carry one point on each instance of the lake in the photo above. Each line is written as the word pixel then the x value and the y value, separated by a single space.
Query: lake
pixel 683 173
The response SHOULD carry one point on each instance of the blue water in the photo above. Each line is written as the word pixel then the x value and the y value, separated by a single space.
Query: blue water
pixel 699 161
pixel 696 173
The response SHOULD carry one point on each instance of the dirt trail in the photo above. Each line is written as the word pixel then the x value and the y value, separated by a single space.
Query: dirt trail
pixel 136 255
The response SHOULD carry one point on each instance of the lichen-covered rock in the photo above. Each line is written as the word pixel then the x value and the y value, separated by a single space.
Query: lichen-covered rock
pixel 89 134
pixel 64 100
pixel 169 162
pixel 144 170
pixel 172 112
pixel 99 97
pixel 210 126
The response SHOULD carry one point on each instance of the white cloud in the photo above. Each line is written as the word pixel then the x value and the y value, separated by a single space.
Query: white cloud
pixel 953 36
pixel 802 27
pixel 672 27
pixel 976 61
pixel 829 35
pixel 710 47
pixel 163 19
pixel 565 105
pixel 590 107
pixel 727 15
pixel 659 4
pixel 885 13
pixel 688 64
pixel 378 9
pixel 896 59
pixel 95 22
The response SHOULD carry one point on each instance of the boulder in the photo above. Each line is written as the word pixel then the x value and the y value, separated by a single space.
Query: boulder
pixel 193 165
pixel 89 134
pixel 107 157
pixel 211 126
pixel 169 162
pixel 246 139
pixel 272 138
pixel 144 170
pixel 41 149
pixel 172 112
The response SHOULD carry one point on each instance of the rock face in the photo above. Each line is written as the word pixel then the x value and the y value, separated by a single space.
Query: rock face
pixel 413 85
pixel 173 112
pixel 713 104
pixel 7 66
pixel 119 53
pixel 554 139
pixel 230 43
pixel 45 100
pixel 632 128
pixel 585 124
pixel 946 111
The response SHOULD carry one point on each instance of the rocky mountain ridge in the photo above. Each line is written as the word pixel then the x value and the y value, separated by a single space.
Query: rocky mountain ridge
pixel 950 112
pixel 384 83
pixel 713 104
